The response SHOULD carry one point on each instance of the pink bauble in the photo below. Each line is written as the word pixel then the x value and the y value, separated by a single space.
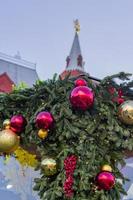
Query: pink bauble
pixel 82 98
pixel 18 123
pixel 44 120
pixel 105 180
pixel 80 82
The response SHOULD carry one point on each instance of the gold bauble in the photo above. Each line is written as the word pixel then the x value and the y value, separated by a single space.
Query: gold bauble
pixel 106 168
pixel 49 166
pixel 9 141
pixel 6 124
pixel 42 133
pixel 125 112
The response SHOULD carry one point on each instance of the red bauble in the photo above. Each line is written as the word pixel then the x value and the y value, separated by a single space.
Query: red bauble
pixel 80 82
pixel 118 100
pixel 18 123
pixel 44 120
pixel 82 98
pixel 120 92
pixel 105 180
pixel 111 90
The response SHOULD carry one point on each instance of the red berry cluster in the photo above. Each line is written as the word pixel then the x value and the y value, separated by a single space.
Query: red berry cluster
pixel 69 166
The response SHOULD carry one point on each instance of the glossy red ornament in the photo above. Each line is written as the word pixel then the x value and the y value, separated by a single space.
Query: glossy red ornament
pixel 18 123
pixel 111 90
pixel 80 82
pixel 120 92
pixel 44 120
pixel 105 180
pixel 118 100
pixel 82 98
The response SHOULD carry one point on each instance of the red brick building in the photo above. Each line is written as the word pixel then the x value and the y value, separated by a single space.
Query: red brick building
pixel 6 83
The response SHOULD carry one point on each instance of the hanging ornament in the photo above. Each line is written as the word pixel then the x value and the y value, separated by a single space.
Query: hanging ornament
pixel 105 180
pixel 106 168
pixel 6 124
pixel 49 166
pixel 9 141
pixel 44 120
pixel 120 92
pixel 69 166
pixel 80 82
pixel 18 123
pixel 111 90
pixel 118 100
pixel 68 187
pixel 42 133
pixel 125 112
pixel 82 98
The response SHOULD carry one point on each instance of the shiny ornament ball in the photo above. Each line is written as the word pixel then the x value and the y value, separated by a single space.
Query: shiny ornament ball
pixel 106 168
pixel 120 100
pixel 125 112
pixel 82 98
pixel 105 180
pixel 42 133
pixel 112 90
pixel 120 92
pixel 18 123
pixel 80 82
pixel 49 166
pixel 44 120
pixel 9 141
pixel 6 124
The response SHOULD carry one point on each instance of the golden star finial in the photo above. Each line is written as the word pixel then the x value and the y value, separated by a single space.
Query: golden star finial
pixel 77 25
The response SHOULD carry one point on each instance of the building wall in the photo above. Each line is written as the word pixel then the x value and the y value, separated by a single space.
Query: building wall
pixel 18 73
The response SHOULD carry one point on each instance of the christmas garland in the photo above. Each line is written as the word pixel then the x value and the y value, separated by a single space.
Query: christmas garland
pixel 80 131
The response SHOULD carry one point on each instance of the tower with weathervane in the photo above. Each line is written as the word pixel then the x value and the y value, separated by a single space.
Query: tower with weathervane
pixel 74 62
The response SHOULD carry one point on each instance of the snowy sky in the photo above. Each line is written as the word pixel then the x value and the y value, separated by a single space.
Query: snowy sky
pixel 42 30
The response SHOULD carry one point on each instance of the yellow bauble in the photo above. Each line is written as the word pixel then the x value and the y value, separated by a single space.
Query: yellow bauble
pixel 106 168
pixel 125 112
pixel 6 124
pixel 49 166
pixel 42 133
pixel 9 141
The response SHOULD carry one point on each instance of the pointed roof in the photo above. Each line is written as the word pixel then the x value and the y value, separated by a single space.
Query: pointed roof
pixel 74 62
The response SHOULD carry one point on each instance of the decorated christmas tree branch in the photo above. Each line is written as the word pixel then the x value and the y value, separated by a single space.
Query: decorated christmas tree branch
pixel 79 131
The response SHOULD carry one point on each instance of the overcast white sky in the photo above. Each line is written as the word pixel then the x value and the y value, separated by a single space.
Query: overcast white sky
pixel 42 30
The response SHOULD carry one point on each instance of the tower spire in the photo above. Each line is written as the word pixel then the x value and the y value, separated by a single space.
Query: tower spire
pixel 74 62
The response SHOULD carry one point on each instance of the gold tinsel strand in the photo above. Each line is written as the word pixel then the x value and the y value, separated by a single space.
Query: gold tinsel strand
pixel 25 158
